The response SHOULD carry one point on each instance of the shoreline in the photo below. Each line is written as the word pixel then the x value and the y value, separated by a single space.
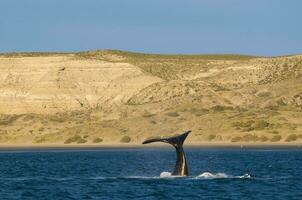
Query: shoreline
pixel 108 146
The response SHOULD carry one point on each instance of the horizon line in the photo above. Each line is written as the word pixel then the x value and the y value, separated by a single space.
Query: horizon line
pixel 140 52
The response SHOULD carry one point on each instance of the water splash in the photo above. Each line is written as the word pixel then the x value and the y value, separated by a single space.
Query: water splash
pixel 165 175
pixel 208 175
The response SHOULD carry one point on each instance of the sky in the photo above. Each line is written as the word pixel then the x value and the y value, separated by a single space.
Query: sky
pixel 254 27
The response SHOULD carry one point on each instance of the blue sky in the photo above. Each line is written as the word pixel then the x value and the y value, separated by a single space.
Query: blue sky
pixel 257 27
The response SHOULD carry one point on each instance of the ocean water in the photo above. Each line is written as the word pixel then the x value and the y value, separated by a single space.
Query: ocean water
pixel 144 174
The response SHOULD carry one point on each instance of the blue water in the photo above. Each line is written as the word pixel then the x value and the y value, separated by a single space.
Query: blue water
pixel 135 174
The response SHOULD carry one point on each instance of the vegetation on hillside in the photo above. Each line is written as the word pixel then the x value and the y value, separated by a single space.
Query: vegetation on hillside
pixel 221 98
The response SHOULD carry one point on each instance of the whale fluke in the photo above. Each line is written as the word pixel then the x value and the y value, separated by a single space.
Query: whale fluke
pixel 181 168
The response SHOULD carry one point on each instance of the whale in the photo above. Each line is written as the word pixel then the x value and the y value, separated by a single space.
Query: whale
pixel 181 165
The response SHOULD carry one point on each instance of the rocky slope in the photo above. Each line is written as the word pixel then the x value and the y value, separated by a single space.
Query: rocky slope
pixel 115 96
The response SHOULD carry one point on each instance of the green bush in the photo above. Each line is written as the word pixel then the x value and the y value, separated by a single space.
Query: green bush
pixel 97 140
pixel 290 138
pixel 276 138
pixel 125 139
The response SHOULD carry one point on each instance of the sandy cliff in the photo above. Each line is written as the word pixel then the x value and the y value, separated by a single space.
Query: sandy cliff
pixel 115 96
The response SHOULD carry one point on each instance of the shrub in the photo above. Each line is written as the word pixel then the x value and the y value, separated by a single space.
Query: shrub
pixel 292 126
pixel 275 132
pixel 81 141
pixel 291 138
pixel 248 129
pixel 172 114
pixel 244 126
pixel 125 139
pixel 261 124
pixel 236 139
pixel 148 114
pixel 28 117
pixel 211 137
pixel 8 119
pixel 264 94
pixel 250 138
pixel 152 122
pixel 240 109
pixel 276 138
pixel 39 140
pixel 2 132
pixel 97 140
pixel 219 108
pixel 72 139
pixel 55 118
pixel 198 112
pixel 263 138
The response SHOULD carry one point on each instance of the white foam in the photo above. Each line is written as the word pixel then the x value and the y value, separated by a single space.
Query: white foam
pixel 244 176
pixel 208 175
pixel 165 175
pixel 168 175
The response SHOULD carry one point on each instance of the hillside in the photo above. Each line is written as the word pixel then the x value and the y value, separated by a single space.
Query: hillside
pixel 115 96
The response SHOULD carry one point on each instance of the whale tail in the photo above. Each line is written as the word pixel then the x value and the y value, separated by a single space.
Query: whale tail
pixel 181 168
pixel 174 140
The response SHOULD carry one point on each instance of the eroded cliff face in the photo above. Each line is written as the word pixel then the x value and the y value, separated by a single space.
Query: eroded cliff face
pixel 104 96
pixel 52 84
